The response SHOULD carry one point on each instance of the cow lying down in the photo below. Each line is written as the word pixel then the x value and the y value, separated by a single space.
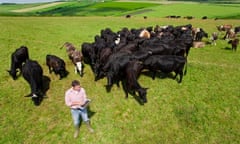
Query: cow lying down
pixel 166 64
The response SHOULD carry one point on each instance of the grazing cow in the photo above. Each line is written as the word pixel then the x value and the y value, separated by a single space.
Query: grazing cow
pixel 230 34
pixel 214 37
pixel 88 53
pixel 114 67
pixel 237 29
pixel 130 83
pixel 17 59
pixel 225 27
pixel 204 17
pixel 77 59
pixel 189 17
pixel 70 48
pixel 234 44
pixel 199 44
pixel 32 72
pixel 166 64
pixel 195 31
pixel 57 65
pixel 128 16
pixel 200 35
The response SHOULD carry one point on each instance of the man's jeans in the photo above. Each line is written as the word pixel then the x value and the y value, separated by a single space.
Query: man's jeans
pixel 76 113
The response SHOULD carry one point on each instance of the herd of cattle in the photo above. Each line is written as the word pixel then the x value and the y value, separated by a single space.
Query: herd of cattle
pixel 122 56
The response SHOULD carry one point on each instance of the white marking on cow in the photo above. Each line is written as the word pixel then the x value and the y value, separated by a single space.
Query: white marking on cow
pixel 78 67
pixel 117 41
pixel 144 34
pixel 34 96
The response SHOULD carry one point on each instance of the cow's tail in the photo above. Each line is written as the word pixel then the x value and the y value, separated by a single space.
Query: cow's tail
pixel 185 66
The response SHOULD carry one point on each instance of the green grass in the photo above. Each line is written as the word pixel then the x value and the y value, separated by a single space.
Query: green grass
pixel 142 8
pixel 197 10
pixel 93 9
pixel 205 108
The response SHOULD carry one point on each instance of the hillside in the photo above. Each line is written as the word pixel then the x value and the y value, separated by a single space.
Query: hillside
pixel 122 8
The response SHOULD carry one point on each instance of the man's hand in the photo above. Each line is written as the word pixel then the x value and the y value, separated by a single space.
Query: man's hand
pixel 75 104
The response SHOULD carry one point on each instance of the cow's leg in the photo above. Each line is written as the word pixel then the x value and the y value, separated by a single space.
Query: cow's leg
pixel 75 69
pixel 176 73
pixel 125 89
pixel 154 74
pixel 49 68
pixel 181 76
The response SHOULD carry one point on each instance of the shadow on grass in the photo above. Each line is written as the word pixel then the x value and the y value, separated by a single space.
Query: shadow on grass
pixel 227 48
pixel 90 115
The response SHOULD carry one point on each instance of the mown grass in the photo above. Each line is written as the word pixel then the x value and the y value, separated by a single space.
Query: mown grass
pixel 203 109
pixel 93 9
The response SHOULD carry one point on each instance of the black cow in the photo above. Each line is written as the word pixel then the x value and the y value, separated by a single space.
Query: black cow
pixel 130 83
pixel 204 17
pixel 128 16
pixel 57 65
pixel 17 59
pixel 114 67
pixel 200 35
pixel 237 29
pixel 166 64
pixel 32 72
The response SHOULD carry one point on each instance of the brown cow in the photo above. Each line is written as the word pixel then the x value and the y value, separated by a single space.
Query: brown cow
pixel 225 27
pixel 214 37
pixel 234 44
pixel 199 44
pixel 77 59
pixel 145 34
pixel 230 34
pixel 70 48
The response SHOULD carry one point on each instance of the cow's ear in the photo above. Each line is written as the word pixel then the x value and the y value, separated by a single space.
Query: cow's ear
pixel 8 71
pixel 146 88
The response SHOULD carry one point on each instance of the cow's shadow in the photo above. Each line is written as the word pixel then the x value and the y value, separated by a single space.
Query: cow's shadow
pixel 46 85
pixel 227 48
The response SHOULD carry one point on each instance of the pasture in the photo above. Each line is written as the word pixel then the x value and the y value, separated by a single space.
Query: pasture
pixel 205 108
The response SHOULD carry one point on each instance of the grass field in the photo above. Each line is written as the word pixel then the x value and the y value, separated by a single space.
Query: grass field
pixel 203 109
pixel 122 8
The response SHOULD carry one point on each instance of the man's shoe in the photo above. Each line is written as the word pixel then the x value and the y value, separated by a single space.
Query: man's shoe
pixel 76 133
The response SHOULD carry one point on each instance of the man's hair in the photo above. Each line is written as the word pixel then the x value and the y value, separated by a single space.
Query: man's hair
pixel 75 83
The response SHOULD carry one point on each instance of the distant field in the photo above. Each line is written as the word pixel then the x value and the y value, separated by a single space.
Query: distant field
pixel 121 8
pixel 204 109
pixel 37 7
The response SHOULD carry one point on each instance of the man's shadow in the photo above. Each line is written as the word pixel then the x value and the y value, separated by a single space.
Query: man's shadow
pixel 90 114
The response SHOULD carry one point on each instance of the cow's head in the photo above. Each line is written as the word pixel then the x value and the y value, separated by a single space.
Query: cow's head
pixel 37 98
pixel 13 73
pixel 143 94
pixel 63 73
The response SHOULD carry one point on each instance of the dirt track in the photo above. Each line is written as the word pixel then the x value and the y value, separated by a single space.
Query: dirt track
pixel 37 7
